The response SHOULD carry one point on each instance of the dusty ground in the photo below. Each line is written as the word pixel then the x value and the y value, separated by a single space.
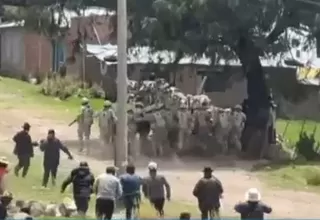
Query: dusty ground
pixel 182 175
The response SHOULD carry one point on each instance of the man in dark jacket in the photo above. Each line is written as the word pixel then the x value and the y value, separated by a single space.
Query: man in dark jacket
pixel 23 150
pixel 252 208
pixel 51 148
pixel 82 180
pixel 131 186
pixel 208 191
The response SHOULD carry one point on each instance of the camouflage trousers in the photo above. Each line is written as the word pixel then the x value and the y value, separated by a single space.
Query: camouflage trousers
pixel 183 142
pixel 159 140
pixel 235 138
pixel 84 132
pixel 203 138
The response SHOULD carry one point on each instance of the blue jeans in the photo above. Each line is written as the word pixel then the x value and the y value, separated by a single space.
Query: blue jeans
pixel 131 202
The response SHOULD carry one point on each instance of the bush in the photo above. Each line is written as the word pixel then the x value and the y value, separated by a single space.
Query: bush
pixel 307 147
pixel 65 87
pixel 313 178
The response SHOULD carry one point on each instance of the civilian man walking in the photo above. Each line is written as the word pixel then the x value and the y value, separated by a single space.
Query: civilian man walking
pixel 131 184
pixel 82 180
pixel 154 188
pixel 108 190
pixel 23 150
pixel 51 157
pixel 208 191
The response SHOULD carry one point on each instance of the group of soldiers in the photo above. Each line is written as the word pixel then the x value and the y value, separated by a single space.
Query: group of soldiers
pixel 106 121
pixel 162 120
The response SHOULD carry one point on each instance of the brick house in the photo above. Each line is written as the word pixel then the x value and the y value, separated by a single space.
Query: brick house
pixel 23 52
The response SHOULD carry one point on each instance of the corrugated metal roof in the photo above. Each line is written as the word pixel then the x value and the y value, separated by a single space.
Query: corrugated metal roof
pixel 145 55
pixel 69 14
pixel 11 24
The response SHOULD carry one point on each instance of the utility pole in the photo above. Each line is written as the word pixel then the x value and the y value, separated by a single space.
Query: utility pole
pixel 121 154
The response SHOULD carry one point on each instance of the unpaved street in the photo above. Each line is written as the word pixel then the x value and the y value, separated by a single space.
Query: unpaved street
pixel 181 175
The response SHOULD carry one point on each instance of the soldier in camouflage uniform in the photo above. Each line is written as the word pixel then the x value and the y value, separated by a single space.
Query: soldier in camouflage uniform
pixel 132 131
pixel 238 119
pixel 142 128
pixel 185 121
pixel 160 133
pixel 85 121
pixel 202 128
pixel 107 122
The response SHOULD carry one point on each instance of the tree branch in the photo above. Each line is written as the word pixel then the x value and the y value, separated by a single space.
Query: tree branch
pixel 286 20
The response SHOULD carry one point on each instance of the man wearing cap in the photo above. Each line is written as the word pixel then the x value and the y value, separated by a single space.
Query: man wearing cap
pixel 51 157
pixel 107 120
pixel 156 188
pixel 208 191
pixel 108 189
pixel 82 180
pixel 23 149
pixel 252 208
pixel 85 121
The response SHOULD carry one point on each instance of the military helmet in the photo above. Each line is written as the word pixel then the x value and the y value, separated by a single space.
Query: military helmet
pixel 139 105
pixel 84 101
pixel 238 107
pixel 107 103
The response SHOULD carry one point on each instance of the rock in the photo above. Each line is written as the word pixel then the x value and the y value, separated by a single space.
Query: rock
pixel 68 207
pixel 52 210
pixel 37 209
pixel 277 152
pixel 22 216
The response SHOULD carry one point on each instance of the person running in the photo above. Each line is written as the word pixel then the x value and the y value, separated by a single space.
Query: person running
pixel 108 189
pixel 208 191
pixel 155 187
pixel 252 208
pixel 51 157
pixel 23 149
pixel 82 180
pixel 131 184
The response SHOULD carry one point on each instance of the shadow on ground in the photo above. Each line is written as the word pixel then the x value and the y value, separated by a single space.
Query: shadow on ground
pixel 172 163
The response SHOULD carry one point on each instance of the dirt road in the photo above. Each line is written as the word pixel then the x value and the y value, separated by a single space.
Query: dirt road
pixel 181 174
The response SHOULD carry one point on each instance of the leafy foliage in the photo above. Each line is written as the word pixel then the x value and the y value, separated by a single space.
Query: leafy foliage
pixel 65 87
pixel 307 147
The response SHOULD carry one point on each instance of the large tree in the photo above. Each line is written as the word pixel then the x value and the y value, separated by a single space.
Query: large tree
pixel 246 30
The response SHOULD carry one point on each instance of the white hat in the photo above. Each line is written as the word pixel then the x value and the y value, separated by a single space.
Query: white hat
pixel 152 165
pixel 253 195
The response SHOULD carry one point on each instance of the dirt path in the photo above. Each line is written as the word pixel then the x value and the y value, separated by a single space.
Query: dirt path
pixel 181 175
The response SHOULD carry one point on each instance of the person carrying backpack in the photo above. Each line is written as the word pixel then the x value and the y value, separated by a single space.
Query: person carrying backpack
pixel 83 181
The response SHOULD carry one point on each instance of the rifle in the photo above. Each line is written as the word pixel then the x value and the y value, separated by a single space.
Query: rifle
pixel 74 121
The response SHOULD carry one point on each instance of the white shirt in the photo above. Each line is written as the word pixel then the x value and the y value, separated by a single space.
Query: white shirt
pixel 108 187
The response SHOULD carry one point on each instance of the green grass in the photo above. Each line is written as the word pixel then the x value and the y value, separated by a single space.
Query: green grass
pixel 294 128
pixel 18 94
pixel 296 176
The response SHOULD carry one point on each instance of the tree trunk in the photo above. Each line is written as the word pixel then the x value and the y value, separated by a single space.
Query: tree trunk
pixel 257 104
